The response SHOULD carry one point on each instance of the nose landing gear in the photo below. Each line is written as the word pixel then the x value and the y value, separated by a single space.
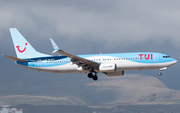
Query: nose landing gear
pixel 159 73
pixel 162 69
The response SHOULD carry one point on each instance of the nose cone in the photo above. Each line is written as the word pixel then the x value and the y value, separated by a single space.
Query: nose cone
pixel 174 61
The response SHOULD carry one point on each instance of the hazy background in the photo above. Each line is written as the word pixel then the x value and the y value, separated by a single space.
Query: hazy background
pixel 89 27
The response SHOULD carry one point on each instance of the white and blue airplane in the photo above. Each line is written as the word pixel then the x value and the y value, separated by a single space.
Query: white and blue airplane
pixel 113 64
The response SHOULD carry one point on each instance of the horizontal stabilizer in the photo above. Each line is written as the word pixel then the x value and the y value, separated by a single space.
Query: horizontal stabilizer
pixel 15 59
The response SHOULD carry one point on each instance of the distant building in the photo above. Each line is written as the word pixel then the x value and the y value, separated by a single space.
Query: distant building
pixel 14 110
pixel 5 109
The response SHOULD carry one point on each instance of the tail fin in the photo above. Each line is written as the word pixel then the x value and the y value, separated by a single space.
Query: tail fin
pixel 22 47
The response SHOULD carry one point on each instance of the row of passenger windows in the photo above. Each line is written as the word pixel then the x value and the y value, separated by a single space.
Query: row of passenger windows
pixel 134 58
pixel 59 62
pixel 100 59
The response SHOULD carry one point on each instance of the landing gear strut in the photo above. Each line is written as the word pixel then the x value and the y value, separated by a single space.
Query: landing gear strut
pixel 94 77
pixel 161 69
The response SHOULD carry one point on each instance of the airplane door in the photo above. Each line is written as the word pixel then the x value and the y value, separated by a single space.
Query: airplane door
pixel 39 63
pixel 155 58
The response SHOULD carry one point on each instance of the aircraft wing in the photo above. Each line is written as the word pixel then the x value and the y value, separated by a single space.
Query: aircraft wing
pixel 15 59
pixel 81 62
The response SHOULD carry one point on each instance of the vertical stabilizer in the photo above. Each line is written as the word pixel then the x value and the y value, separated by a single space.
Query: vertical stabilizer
pixel 22 47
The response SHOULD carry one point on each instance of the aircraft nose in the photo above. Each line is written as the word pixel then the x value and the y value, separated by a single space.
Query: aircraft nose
pixel 174 61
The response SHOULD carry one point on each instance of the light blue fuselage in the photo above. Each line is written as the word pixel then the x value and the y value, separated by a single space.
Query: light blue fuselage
pixel 124 61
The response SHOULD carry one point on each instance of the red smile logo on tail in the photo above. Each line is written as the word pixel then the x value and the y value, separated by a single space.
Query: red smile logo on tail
pixel 21 51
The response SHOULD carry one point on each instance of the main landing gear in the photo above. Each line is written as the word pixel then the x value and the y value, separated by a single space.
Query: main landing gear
pixel 94 77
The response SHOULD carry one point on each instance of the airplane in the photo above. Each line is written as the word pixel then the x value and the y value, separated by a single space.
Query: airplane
pixel 112 64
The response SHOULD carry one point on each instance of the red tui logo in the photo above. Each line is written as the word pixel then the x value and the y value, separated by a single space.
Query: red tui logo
pixel 21 51
pixel 145 56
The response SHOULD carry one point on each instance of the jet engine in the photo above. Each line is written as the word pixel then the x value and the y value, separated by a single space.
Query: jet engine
pixel 107 67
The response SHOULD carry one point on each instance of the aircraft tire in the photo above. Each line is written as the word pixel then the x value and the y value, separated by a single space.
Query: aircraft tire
pixel 90 75
pixel 95 77
pixel 159 73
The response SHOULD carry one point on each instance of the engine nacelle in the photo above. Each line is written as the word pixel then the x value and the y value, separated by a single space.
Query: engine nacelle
pixel 107 67
pixel 117 73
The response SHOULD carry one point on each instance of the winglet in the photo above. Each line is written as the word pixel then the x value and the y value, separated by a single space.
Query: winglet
pixel 56 48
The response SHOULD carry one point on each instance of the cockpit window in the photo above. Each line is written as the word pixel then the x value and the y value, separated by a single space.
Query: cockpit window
pixel 166 56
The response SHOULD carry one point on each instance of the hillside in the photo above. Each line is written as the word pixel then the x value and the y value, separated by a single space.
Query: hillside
pixel 128 89
pixel 134 89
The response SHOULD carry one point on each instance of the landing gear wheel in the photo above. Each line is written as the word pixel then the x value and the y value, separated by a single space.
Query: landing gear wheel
pixel 95 77
pixel 90 75
pixel 159 73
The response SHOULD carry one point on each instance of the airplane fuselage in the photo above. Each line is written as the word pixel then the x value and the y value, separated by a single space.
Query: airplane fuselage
pixel 123 61
pixel 113 64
